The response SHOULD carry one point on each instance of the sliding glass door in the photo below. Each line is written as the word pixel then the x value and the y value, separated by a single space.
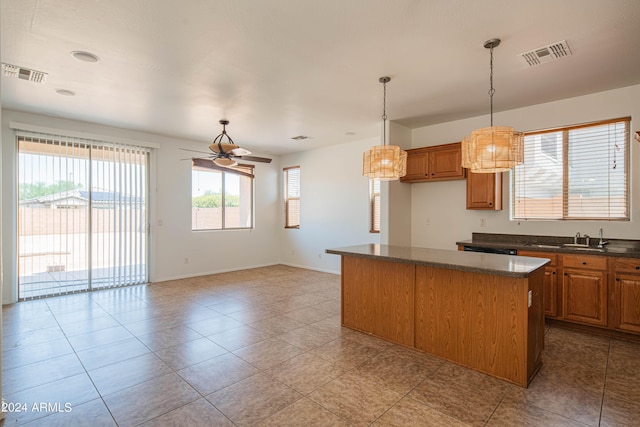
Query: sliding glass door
pixel 82 215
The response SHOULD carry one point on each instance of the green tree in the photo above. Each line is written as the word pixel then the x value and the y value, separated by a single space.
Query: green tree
pixel 207 201
pixel 39 189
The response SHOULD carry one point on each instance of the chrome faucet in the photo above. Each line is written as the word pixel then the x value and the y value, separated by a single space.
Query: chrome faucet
pixel 586 239
pixel 602 242
pixel 575 238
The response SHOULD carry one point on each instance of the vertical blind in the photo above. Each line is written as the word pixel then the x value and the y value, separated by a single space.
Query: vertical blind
pixel 374 205
pixel 292 197
pixel 82 215
pixel 575 172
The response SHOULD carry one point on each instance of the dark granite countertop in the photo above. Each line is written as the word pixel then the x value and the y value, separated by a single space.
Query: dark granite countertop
pixel 502 265
pixel 614 247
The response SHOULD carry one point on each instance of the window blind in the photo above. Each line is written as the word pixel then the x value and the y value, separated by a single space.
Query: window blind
pixel 374 202
pixel 292 197
pixel 576 172
pixel 82 215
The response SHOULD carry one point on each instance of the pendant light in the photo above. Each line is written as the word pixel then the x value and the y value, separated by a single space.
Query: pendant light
pixel 495 148
pixel 384 162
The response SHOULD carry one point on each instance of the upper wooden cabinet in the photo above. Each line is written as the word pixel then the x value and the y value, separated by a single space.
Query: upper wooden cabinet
pixel 436 163
pixel 484 191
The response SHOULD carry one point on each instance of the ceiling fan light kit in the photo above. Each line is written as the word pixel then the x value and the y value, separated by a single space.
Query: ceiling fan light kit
pixel 495 148
pixel 384 162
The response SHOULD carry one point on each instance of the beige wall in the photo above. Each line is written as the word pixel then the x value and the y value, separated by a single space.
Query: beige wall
pixel 439 215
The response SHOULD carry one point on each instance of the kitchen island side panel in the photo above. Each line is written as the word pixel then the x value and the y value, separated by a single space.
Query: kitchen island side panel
pixel 477 320
pixel 378 298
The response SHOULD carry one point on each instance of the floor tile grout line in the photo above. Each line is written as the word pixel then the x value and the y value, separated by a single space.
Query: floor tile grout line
pixel 604 383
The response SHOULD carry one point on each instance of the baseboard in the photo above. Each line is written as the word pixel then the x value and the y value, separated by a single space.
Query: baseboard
pixel 206 273
pixel 306 267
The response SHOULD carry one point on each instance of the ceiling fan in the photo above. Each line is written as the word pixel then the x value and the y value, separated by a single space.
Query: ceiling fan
pixel 225 151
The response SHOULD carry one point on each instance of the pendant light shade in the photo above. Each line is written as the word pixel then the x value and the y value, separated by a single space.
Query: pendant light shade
pixel 384 162
pixel 495 148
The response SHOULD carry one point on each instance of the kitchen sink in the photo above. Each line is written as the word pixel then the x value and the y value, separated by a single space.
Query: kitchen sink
pixel 535 245
pixel 585 248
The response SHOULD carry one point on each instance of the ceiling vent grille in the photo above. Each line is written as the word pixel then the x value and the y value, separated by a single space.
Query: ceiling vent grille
pixel 547 53
pixel 24 73
pixel 300 137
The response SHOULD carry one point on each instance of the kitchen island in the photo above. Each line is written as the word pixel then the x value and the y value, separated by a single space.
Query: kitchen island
pixel 483 311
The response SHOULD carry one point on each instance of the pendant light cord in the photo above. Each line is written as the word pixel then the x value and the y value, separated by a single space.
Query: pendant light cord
pixel 491 89
pixel 384 113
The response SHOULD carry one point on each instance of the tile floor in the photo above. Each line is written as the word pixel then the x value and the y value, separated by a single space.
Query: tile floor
pixel 265 347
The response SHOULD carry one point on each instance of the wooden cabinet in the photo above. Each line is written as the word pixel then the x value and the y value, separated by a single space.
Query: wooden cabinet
pixel 484 191
pixel 627 294
pixel 436 163
pixel 417 165
pixel 550 284
pixel 584 289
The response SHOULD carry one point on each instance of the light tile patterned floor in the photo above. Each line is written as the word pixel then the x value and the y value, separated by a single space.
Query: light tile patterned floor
pixel 265 347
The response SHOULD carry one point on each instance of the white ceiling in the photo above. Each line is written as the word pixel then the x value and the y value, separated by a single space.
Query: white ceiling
pixel 281 68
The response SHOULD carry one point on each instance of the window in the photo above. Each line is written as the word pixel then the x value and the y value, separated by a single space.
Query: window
pixel 576 172
pixel 221 198
pixel 292 197
pixel 82 214
pixel 374 205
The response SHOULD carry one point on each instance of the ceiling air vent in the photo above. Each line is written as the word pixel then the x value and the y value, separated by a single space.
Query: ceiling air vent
pixel 300 137
pixel 24 73
pixel 544 54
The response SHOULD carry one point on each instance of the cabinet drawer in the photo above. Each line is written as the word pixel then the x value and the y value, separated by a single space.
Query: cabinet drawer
pixel 585 261
pixel 631 265
pixel 536 254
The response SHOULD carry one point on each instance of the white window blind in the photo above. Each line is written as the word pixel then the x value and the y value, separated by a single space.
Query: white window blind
pixel 292 197
pixel 374 205
pixel 82 215
pixel 576 172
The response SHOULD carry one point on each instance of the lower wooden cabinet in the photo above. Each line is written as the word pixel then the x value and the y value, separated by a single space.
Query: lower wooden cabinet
pixel 627 294
pixel 550 285
pixel 584 296
pixel 627 289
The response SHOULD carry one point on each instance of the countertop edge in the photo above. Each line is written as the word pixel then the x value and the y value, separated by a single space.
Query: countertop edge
pixel 482 270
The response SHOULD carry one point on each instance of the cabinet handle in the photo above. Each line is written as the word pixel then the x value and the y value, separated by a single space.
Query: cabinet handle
pixel 584 263
pixel 554 273
pixel 490 204
pixel 565 274
pixel 617 279
pixel 637 267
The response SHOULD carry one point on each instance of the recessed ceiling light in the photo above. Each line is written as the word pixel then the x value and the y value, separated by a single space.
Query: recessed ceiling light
pixel 65 92
pixel 84 56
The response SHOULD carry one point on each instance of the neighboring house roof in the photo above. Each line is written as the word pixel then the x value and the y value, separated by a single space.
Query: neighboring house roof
pixel 98 197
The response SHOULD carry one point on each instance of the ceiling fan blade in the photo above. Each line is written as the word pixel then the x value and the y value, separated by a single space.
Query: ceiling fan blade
pixel 198 158
pixel 195 151
pixel 254 159
pixel 240 151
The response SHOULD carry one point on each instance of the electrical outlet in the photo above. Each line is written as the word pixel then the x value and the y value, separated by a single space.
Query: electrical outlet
pixel 483 222
pixel 427 221
pixel 530 298
pixel 186 260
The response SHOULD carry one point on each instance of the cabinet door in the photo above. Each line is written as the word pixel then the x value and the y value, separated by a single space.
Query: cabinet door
pixel 627 302
pixel 417 166
pixel 584 295
pixel 446 163
pixel 550 292
pixel 484 191
pixel 550 285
